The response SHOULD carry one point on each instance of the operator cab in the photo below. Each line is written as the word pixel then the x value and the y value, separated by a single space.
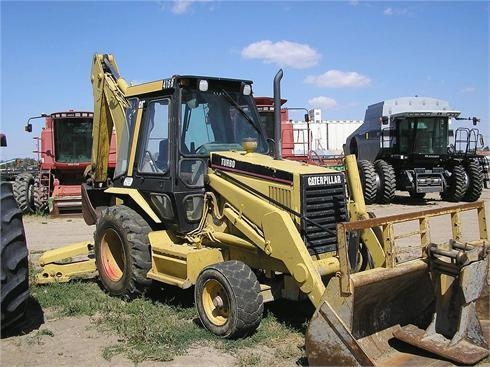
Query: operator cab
pixel 421 135
pixel 179 127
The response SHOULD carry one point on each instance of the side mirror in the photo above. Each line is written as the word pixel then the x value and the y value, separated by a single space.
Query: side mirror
pixel 482 141
pixel 475 120
pixel 384 120
pixel 3 140
pixel 28 128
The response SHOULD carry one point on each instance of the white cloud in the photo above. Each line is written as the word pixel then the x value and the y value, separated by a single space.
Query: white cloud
pixel 468 90
pixel 181 6
pixel 322 102
pixel 282 53
pixel 338 79
pixel 394 11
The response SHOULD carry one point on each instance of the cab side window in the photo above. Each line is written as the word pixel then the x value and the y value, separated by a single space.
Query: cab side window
pixel 155 148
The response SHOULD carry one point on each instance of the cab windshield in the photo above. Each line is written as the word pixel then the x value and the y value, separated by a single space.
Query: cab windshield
pixel 423 135
pixel 73 139
pixel 218 120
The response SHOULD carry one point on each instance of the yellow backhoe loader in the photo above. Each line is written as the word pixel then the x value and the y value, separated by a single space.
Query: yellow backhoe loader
pixel 195 200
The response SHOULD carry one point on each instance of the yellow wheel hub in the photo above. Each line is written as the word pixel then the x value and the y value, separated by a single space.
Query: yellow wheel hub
pixel 215 302
pixel 112 255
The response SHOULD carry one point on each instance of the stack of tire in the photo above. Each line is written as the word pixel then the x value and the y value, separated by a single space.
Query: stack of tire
pixel 464 182
pixel 14 263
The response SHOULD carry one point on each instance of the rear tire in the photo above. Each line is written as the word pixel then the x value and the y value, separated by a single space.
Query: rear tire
pixel 456 185
pixel 23 187
pixel 14 262
pixel 368 180
pixel 228 299
pixel 387 181
pixel 122 252
pixel 475 181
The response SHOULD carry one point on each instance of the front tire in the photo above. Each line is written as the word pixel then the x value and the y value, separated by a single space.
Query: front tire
pixel 122 252
pixel 456 185
pixel 368 180
pixel 475 181
pixel 23 188
pixel 14 263
pixel 228 299
pixel 387 181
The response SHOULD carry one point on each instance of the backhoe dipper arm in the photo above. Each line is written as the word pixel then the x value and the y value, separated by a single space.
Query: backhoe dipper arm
pixel 110 104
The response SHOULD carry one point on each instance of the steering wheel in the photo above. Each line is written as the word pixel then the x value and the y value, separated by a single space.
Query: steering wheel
pixel 203 149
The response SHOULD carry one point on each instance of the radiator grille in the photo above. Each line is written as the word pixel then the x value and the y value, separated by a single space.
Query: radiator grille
pixel 323 201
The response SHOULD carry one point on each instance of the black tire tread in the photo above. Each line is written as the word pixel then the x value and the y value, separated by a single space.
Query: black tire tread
pixel 475 178
pixel 135 229
pixel 41 197
pixel 14 262
pixel 246 291
pixel 21 186
pixel 368 180
pixel 455 190
pixel 387 179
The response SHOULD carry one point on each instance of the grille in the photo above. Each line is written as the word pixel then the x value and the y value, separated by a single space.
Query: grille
pixel 323 201
pixel 280 195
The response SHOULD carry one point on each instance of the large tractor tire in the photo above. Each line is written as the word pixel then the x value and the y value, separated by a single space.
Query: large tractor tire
pixel 368 180
pixel 122 252
pixel 14 263
pixel 456 184
pixel 228 299
pixel 41 198
pixel 24 192
pixel 474 176
pixel 386 181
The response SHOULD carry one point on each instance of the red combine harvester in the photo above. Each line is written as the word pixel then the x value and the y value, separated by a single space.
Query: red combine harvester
pixel 295 143
pixel 64 151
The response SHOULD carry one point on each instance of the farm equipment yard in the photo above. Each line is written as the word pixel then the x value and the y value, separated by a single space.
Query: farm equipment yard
pixel 67 340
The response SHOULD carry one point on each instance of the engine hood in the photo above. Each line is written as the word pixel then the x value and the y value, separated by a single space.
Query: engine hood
pixel 266 167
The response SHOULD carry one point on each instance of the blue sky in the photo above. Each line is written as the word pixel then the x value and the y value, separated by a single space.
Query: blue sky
pixel 339 56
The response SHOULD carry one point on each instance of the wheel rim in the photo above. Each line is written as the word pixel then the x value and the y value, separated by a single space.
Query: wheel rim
pixel 215 302
pixel 112 255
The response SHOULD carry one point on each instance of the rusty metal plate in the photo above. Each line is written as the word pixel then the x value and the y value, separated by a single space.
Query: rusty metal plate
pixel 462 352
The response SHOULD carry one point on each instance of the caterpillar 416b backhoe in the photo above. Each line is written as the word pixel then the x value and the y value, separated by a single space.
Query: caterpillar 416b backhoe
pixel 196 201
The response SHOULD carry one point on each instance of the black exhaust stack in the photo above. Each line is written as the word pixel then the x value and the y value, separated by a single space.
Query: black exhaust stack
pixel 277 115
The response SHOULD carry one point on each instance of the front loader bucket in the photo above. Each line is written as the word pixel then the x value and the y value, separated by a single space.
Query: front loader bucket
pixel 421 312
pixel 356 329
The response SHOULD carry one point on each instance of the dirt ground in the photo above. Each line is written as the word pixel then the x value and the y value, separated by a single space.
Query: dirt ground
pixel 72 341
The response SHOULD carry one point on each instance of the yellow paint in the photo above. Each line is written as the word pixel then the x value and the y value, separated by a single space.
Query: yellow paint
pixel 138 198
